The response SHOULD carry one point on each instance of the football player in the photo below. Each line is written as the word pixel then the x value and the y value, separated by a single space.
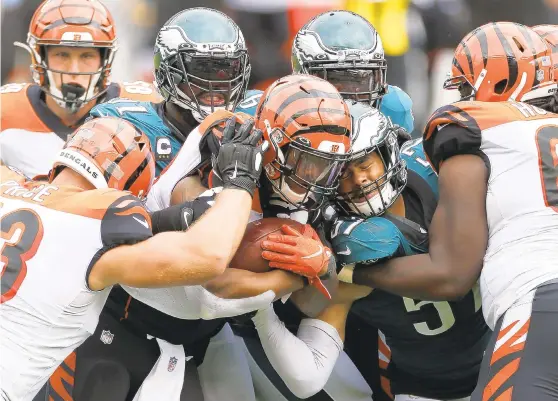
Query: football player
pixel 308 152
pixel 484 149
pixel 386 199
pixel 344 48
pixel 51 304
pixel 72 47
pixel 201 65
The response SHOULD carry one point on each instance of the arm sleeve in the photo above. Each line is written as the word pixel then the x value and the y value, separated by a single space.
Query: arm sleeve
pixel 305 361
pixel 187 159
pixel 126 222
pixel 213 307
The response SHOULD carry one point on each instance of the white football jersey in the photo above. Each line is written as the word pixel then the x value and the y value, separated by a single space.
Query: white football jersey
pixel 519 144
pixel 51 237
pixel 31 135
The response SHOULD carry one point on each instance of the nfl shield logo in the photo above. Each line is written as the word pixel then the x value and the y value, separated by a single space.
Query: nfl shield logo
pixel 106 337
pixel 172 363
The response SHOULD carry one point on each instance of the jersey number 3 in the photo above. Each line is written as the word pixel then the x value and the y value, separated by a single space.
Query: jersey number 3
pixel 21 234
pixel 547 146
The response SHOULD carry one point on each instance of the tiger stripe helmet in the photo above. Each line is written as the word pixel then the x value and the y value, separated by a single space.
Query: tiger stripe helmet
pixel 72 23
pixel 550 34
pixel 308 126
pixel 110 153
pixel 501 61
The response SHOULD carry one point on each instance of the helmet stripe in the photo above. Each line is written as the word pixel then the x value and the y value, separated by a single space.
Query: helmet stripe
pixel 132 179
pixel 480 34
pixel 513 69
pixel 312 93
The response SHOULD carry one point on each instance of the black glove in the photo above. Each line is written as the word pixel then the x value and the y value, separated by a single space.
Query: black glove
pixel 181 217
pixel 402 134
pixel 240 159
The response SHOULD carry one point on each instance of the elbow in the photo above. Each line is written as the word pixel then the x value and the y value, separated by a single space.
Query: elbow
pixel 217 262
pixel 454 287
pixel 452 291
pixel 219 288
pixel 305 387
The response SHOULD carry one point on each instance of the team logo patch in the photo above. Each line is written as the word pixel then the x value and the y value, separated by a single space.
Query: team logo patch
pixel 172 363
pixel 107 337
pixel 163 148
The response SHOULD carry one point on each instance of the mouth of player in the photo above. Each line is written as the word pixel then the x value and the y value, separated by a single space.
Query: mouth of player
pixel 215 100
pixel 366 194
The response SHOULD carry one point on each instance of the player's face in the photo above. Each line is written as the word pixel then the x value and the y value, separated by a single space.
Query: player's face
pixel 70 62
pixel 206 98
pixel 361 173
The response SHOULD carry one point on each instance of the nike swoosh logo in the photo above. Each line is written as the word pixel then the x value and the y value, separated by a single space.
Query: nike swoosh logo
pixel 186 216
pixel 319 251
pixel 345 252
pixel 233 175
pixel 141 221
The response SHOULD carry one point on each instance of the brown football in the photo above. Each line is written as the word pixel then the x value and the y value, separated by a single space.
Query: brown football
pixel 249 253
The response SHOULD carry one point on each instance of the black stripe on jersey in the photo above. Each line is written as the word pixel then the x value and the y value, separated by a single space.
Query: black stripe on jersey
pixel 302 95
pixel 530 43
pixel 481 37
pixel 513 69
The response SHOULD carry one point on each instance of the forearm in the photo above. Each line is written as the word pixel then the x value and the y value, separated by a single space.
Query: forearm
pixel 304 362
pixel 222 227
pixel 237 283
pixel 416 276
pixel 181 258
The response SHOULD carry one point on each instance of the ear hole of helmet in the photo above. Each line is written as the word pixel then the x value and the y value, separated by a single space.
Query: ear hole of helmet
pixel 519 45
pixel 500 87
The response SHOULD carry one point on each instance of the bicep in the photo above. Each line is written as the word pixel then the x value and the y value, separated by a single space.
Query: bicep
pixel 459 229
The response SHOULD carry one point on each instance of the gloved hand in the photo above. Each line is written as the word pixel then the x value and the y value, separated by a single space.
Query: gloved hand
pixel 240 159
pixel 301 254
pixel 181 217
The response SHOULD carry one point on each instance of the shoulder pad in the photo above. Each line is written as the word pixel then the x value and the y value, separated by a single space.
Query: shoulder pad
pixel 398 107
pixel 412 152
pixel 139 90
pixel 250 102
pixel 122 108
pixel 465 122
pixel 17 110
pixel 367 241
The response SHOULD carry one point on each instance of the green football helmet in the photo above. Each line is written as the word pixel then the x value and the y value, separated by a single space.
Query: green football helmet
pixel 201 61
pixel 343 48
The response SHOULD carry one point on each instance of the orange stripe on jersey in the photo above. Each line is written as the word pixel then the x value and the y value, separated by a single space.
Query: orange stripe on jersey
pixel 512 345
pixel 501 377
pixel 386 386
pixel 62 379
pixel 383 349
pixel 17 111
